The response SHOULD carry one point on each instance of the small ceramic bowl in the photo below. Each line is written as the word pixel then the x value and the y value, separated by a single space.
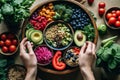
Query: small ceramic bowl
pixel 9 43
pixel 71 56
pixel 58 37
pixel 106 19
pixel 44 55
pixel 16 72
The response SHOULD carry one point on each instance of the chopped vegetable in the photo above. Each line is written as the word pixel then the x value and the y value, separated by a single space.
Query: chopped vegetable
pixel 58 35
pixel 43 54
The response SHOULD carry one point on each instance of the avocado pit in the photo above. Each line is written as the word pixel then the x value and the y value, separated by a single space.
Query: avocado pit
pixel 79 37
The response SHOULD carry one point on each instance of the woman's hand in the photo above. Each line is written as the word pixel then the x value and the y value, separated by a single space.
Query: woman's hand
pixel 29 59
pixel 86 60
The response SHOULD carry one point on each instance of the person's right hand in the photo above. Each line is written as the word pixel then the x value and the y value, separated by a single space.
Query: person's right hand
pixel 86 60
pixel 87 55
pixel 27 55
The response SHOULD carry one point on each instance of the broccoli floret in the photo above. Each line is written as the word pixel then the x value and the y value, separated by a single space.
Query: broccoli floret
pixel 7 9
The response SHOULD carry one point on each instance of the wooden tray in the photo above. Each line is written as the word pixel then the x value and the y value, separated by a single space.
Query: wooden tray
pixel 66 71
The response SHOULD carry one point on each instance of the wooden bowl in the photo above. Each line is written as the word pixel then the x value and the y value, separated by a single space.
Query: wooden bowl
pixel 106 21
pixel 17 47
pixel 67 70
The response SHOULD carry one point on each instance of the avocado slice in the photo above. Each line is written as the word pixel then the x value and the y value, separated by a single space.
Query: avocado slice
pixel 27 32
pixel 79 38
pixel 36 36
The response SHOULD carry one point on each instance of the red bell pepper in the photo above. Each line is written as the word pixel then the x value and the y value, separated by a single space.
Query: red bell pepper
pixel 57 63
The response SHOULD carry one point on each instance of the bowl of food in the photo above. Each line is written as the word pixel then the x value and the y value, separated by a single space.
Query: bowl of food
pixel 58 35
pixel 71 56
pixel 112 18
pixel 9 43
pixel 16 72
pixel 44 55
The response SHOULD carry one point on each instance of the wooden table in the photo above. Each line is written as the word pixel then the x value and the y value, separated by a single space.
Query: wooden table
pixel 99 72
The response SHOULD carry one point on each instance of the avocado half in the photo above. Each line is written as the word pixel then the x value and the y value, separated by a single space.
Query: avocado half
pixel 79 38
pixel 36 36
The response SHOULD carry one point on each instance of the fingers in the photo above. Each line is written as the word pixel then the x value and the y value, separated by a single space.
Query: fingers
pixel 30 49
pixel 89 48
pixel 22 45
pixel 83 48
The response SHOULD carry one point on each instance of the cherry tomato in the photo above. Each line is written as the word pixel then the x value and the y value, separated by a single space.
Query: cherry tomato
pixel 114 15
pixel 3 37
pixel 117 23
pixel 101 5
pixel 118 18
pixel 12 48
pixel 113 11
pixel 8 42
pixel 4 49
pixel 112 21
pixel 90 1
pixel 2 43
pixel 14 42
pixel 101 11
pixel 10 36
pixel 109 15
pixel 118 12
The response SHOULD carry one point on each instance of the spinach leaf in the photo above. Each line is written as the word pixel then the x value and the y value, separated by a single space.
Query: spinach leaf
pixel 112 64
pixel 106 54
pixel 100 51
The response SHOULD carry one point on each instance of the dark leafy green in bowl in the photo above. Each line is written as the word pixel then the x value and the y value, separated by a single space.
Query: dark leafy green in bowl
pixel 58 35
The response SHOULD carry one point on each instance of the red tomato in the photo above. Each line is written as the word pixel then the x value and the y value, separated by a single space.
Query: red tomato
pixel 8 42
pixel 101 11
pixel 14 42
pixel 12 48
pixel 4 49
pixel 109 15
pixel 118 18
pixel 3 37
pixel 101 5
pixel 113 11
pixel 90 1
pixel 118 12
pixel 112 21
pixel 10 36
pixel 2 43
pixel 117 23
pixel 114 15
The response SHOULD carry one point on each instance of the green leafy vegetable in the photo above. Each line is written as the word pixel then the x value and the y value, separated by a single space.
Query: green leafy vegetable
pixel 109 54
pixel 17 9
pixel 7 9
pixel 63 12
pixel 89 32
